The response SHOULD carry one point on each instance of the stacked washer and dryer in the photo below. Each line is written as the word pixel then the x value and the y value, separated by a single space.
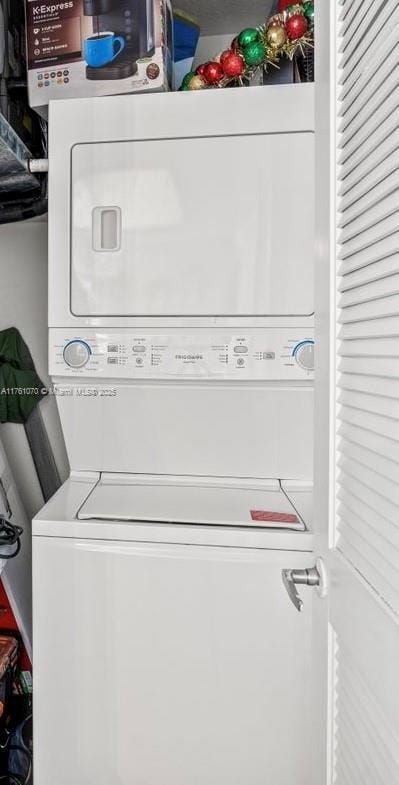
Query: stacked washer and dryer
pixel 181 243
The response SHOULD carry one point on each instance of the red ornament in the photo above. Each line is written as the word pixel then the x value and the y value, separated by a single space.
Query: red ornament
pixel 296 26
pixel 233 64
pixel 283 4
pixel 213 73
pixel 200 69
pixel 225 54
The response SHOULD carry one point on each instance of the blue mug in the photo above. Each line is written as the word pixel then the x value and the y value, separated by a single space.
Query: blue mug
pixel 103 49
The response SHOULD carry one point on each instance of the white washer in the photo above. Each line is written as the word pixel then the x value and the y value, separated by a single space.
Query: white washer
pixel 168 652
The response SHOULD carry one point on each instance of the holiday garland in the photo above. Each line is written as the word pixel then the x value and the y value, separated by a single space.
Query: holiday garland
pixel 287 33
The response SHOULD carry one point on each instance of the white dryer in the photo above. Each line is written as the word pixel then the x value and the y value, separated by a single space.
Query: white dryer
pixel 181 349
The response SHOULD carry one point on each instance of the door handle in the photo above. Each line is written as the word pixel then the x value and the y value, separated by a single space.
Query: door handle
pixel 314 576
pixel 106 229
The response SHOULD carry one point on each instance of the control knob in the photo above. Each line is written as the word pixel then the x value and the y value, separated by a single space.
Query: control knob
pixel 304 355
pixel 77 354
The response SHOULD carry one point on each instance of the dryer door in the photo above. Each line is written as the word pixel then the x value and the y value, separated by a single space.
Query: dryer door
pixel 193 227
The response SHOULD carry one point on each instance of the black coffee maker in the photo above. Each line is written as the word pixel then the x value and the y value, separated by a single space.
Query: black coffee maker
pixel 134 21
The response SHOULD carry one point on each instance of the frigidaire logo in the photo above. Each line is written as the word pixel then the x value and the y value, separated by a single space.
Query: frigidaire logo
pixel 189 356
pixel 41 10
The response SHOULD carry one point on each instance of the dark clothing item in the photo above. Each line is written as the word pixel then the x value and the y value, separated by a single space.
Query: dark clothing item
pixel 20 387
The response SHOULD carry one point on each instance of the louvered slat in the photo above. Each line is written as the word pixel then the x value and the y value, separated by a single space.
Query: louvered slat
pixel 355 89
pixel 370 187
pixel 373 253
pixel 378 404
pixel 353 141
pixel 370 329
pixel 374 547
pixel 367 122
pixel 358 487
pixel 361 166
pixel 359 47
pixel 373 218
pixel 372 272
pixel 354 154
pixel 368 315
pixel 375 442
pixel 352 12
pixel 366 744
pixel 377 347
pixel 376 232
pixel 367 89
pixel 387 489
pixel 374 366
pixel 356 83
pixel 374 290
pixel 370 421
pixel 348 9
pixel 372 309
pixel 369 521
pixel 366 457
pixel 370 384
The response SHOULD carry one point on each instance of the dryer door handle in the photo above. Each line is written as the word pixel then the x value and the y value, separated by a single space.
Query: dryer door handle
pixel 106 229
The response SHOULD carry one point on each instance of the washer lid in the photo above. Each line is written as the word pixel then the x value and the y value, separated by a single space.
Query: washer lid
pixel 206 501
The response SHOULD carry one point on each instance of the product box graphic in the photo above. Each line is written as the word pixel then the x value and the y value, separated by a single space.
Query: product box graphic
pixel 82 48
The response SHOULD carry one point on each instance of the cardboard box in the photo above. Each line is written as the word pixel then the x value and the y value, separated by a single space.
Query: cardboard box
pixel 84 48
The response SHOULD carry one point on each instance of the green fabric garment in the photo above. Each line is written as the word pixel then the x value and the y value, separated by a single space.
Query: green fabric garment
pixel 20 386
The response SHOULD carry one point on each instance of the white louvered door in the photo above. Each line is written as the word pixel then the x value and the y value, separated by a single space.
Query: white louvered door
pixel 356 629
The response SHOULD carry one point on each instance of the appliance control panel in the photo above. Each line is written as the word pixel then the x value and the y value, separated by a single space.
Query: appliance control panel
pixel 269 354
